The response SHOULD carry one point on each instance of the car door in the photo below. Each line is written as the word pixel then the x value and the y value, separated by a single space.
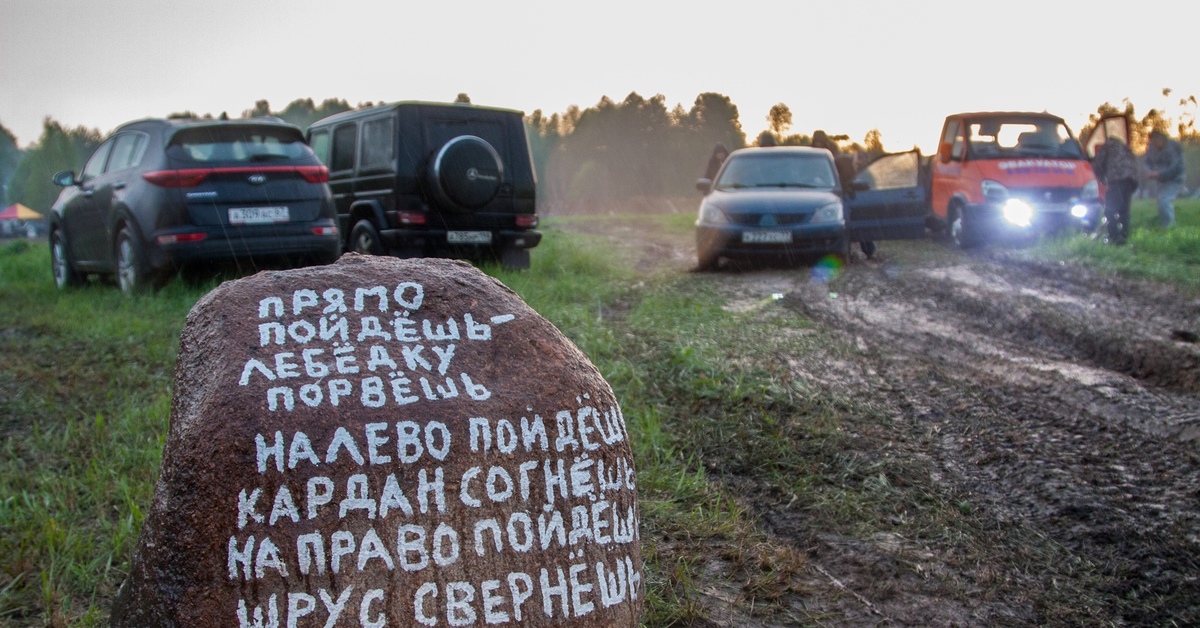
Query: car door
pixel 110 189
pixel 1116 126
pixel 83 216
pixel 888 200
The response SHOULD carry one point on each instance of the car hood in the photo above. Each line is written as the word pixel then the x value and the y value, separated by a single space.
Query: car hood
pixel 771 200
pixel 1025 172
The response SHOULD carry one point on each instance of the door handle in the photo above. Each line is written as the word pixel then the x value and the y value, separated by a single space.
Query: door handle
pixel 119 185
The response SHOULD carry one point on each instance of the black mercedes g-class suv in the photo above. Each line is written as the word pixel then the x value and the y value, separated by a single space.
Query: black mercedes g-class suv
pixel 418 179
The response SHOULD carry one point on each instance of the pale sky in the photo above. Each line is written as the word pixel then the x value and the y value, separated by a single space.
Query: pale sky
pixel 842 66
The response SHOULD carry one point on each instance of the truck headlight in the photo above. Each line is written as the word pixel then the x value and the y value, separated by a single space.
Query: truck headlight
pixel 993 190
pixel 1079 210
pixel 1091 190
pixel 827 213
pixel 1018 212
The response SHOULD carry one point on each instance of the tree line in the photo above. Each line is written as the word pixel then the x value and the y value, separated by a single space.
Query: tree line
pixel 586 159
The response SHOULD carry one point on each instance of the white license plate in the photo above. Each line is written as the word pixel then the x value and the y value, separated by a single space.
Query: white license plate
pixel 767 237
pixel 469 237
pixel 257 215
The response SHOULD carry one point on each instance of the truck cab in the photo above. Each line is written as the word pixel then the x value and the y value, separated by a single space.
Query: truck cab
pixel 1010 175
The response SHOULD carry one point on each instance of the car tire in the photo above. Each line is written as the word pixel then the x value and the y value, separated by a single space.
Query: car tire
pixel 63 267
pixel 706 260
pixel 962 231
pixel 133 274
pixel 868 248
pixel 466 173
pixel 364 238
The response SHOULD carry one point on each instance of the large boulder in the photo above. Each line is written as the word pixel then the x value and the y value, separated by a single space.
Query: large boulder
pixel 385 442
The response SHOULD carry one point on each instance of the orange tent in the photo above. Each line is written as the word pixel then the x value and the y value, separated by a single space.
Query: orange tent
pixel 17 211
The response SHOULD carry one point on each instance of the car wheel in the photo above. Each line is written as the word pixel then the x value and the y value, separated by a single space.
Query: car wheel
pixel 65 274
pixel 706 259
pixel 466 173
pixel 868 248
pixel 133 275
pixel 364 238
pixel 962 232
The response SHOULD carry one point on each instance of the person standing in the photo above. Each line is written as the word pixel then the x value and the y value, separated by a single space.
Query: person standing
pixel 1116 167
pixel 715 160
pixel 1164 164
pixel 820 139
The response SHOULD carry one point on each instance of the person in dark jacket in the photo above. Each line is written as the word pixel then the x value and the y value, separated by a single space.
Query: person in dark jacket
pixel 1164 163
pixel 1116 167
pixel 820 139
pixel 719 154
pixel 844 164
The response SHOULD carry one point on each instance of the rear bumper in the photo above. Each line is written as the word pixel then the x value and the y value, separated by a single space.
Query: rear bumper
pixel 218 246
pixel 437 239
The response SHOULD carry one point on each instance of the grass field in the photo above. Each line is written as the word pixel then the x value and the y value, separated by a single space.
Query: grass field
pixel 86 386
pixel 1152 253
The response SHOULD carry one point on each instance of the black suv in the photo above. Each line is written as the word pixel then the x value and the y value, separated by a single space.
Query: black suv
pixel 158 194
pixel 416 179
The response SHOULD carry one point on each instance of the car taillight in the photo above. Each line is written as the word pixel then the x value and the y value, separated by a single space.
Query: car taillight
pixel 314 174
pixel 411 218
pixel 177 178
pixel 191 177
pixel 527 221
pixel 180 237
pixel 324 231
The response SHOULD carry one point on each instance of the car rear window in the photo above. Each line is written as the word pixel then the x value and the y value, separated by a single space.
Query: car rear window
pixel 238 144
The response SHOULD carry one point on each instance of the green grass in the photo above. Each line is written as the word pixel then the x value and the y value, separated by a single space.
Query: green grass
pixel 85 397
pixel 708 395
pixel 1167 255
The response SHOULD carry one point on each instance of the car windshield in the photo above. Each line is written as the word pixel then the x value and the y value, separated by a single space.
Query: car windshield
pixel 1022 137
pixel 238 144
pixel 777 169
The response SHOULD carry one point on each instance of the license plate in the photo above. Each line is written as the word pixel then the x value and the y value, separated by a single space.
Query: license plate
pixel 257 215
pixel 767 237
pixel 469 237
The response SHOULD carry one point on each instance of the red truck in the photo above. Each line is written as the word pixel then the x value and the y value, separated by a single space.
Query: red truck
pixel 996 176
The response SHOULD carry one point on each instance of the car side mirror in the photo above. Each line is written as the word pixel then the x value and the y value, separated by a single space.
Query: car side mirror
pixel 944 152
pixel 704 185
pixel 64 179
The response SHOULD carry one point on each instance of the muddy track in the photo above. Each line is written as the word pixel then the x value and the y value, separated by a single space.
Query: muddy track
pixel 1057 400
pixel 1060 403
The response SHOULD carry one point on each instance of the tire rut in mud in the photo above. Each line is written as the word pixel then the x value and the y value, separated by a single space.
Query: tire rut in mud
pixel 1058 400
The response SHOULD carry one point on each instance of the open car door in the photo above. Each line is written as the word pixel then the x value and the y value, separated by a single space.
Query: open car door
pixel 1109 126
pixel 888 200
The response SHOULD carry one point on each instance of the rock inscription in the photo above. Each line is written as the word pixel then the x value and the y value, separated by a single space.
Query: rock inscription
pixel 386 442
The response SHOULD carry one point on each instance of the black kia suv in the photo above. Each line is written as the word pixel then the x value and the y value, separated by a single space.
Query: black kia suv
pixel 418 179
pixel 160 194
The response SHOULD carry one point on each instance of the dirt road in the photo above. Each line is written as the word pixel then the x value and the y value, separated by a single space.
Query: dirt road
pixel 1062 406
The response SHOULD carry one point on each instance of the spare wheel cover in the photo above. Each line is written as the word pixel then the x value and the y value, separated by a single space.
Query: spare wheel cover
pixel 467 172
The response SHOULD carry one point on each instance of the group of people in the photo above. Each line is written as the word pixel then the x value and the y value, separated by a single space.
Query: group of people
pixel 845 164
pixel 1116 167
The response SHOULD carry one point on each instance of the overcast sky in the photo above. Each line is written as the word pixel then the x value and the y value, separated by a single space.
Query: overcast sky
pixel 843 66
